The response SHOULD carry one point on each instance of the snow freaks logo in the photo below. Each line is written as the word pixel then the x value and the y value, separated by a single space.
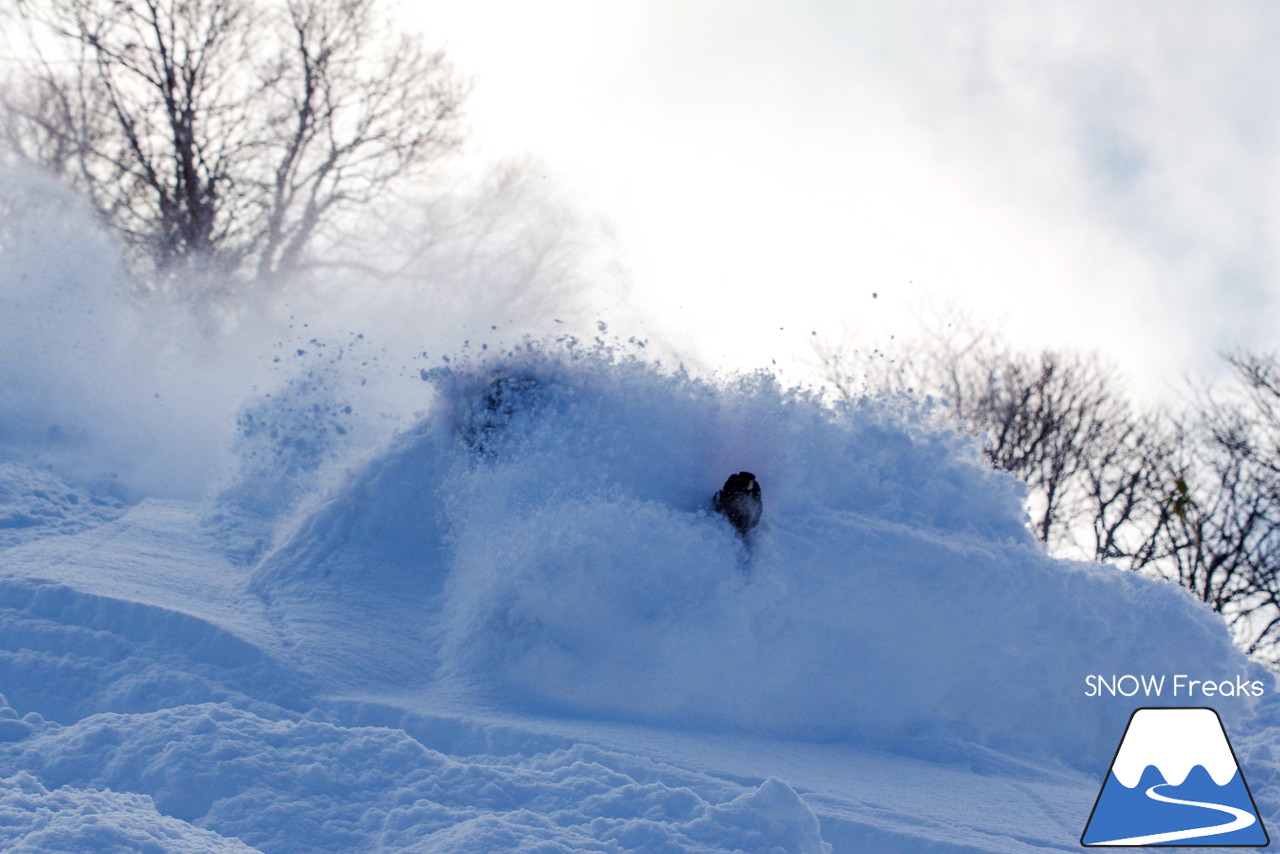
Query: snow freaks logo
pixel 1175 781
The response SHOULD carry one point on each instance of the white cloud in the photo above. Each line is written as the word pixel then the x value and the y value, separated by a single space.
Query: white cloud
pixel 1100 174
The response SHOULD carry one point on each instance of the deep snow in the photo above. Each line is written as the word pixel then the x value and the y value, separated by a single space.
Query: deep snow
pixel 516 625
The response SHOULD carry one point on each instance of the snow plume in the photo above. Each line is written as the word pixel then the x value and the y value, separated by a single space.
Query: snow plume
pixel 64 331
pixel 98 386
pixel 548 523
pixel 110 381
pixel 489 257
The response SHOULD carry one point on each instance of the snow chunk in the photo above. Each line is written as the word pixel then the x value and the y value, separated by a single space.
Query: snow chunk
pixel 34 819
pixel 770 820
pixel 35 503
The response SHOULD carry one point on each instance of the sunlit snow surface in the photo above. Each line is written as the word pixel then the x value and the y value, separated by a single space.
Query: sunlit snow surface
pixel 516 626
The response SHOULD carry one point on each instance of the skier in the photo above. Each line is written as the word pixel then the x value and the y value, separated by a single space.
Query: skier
pixel 739 502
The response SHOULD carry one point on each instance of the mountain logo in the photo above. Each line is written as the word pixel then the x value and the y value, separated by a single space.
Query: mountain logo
pixel 1175 781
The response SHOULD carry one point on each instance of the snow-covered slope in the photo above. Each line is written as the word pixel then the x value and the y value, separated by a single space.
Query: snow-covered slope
pixel 517 626
pixel 565 561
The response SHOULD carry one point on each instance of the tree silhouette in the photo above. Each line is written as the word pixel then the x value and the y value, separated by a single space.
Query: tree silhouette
pixel 228 135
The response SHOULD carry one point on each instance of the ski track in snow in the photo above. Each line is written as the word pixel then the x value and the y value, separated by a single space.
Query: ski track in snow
pixel 1240 820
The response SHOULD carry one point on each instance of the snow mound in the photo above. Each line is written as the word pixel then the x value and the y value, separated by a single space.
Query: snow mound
pixel 35 504
pixel 290 783
pixel 544 539
pixel 65 654
pixel 35 820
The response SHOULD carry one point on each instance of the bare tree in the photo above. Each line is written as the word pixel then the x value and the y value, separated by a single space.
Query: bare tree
pixel 231 134
pixel 1060 423
pixel 1126 483
pixel 1221 535
pixel 1093 466
pixel 1193 497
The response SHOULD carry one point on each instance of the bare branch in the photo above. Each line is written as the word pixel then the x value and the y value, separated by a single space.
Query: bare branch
pixel 231 133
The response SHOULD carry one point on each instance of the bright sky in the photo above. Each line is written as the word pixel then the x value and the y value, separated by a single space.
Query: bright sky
pixel 1099 174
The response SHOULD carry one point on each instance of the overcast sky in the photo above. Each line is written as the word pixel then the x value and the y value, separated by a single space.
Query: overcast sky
pixel 1101 174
